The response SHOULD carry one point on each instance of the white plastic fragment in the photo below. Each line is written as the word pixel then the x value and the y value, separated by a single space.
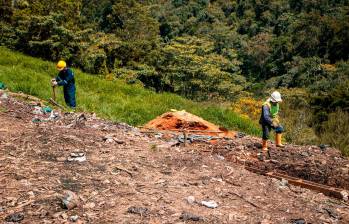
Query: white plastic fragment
pixel 77 156
pixel 345 195
pixel 209 204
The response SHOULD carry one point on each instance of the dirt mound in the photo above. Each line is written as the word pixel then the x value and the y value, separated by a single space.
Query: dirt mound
pixel 182 120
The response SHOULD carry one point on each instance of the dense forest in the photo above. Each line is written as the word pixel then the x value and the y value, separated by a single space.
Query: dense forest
pixel 204 50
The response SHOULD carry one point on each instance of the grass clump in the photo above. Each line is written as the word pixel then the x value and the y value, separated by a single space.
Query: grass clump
pixel 114 100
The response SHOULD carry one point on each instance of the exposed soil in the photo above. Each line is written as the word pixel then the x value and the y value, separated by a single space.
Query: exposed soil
pixel 325 166
pixel 179 120
pixel 129 177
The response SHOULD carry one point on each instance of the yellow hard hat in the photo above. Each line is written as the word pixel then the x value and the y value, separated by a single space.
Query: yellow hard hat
pixel 61 65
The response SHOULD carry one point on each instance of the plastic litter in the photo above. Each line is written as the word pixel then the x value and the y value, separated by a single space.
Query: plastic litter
pixel 209 204
pixel 53 116
pixel 46 110
pixel 74 218
pixel 4 96
pixel 77 156
pixel 38 110
pixel 345 195
pixel 2 85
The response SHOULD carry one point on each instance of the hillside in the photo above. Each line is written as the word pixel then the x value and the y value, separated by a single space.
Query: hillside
pixel 126 176
pixel 112 99
pixel 203 50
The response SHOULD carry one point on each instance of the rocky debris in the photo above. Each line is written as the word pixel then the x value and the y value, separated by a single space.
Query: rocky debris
pixel 138 210
pixel 115 177
pixel 190 200
pixel 70 200
pixel 186 216
pixel 298 221
pixel 74 218
pixel 304 162
pixel 15 217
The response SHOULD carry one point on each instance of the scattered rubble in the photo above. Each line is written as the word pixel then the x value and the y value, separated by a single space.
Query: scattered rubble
pixel 186 216
pixel 16 217
pixel 190 199
pixel 70 200
pixel 115 177
pixel 138 210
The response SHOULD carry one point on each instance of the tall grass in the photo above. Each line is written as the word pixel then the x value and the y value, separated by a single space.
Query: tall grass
pixel 113 100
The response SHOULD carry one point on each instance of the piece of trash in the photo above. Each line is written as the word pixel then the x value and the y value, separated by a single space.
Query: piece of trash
pixel 186 216
pixel 36 120
pixel 158 135
pixel 260 156
pixel 4 96
pixel 323 147
pixel 240 134
pixel 345 195
pixel 46 110
pixel 2 85
pixel 15 217
pixel 77 156
pixel 109 140
pixel 53 116
pixel 209 204
pixel 38 110
pixel 305 154
pixel 220 157
pixel 298 221
pixel 138 210
pixel 283 183
pixel 74 218
pixel 190 199
pixel 70 200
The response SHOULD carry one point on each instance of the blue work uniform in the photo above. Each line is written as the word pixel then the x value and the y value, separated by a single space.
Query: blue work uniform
pixel 266 119
pixel 66 79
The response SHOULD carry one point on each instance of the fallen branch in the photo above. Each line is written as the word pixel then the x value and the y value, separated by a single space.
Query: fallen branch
pixel 125 170
pixel 249 202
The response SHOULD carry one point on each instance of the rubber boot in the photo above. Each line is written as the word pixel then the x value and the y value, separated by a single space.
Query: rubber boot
pixel 278 143
pixel 264 145
pixel 265 151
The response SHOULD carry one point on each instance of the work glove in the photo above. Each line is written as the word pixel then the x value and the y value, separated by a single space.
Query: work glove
pixel 276 122
pixel 54 82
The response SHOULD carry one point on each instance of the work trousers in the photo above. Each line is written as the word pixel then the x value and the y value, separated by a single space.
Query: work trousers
pixel 266 129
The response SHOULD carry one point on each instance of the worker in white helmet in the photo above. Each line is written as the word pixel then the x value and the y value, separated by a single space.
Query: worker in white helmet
pixel 269 120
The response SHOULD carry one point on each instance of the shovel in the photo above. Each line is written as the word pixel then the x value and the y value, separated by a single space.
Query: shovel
pixel 53 99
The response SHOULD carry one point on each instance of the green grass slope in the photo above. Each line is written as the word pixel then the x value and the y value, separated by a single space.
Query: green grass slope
pixel 113 100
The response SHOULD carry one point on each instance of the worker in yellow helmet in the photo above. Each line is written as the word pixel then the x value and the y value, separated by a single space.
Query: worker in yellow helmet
pixel 269 120
pixel 66 79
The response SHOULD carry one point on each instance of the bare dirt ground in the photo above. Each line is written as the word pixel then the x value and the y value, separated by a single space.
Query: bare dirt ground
pixel 125 168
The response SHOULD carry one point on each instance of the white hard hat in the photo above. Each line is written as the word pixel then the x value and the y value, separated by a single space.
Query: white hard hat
pixel 275 97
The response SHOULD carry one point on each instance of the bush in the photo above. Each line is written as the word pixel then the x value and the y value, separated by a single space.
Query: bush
pixel 336 131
